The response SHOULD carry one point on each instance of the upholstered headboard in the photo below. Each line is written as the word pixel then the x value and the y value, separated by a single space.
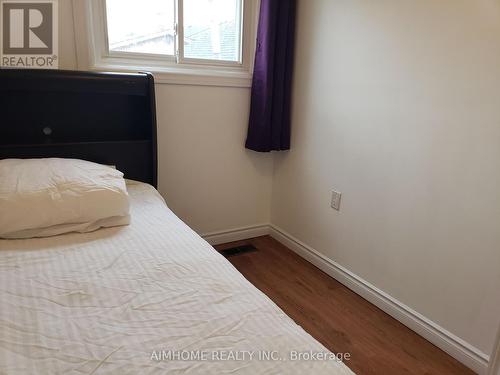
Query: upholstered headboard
pixel 108 118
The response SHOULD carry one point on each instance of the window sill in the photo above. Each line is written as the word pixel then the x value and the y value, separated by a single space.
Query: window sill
pixel 186 75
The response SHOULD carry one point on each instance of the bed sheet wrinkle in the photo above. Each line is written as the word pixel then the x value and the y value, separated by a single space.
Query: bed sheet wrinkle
pixel 103 302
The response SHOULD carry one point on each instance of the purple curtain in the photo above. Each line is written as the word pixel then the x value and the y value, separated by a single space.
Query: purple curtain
pixel 269 125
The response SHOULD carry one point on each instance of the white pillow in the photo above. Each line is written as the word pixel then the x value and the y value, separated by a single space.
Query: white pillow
pixel 47 197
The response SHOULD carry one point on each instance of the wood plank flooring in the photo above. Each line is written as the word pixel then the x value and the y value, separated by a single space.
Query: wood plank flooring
pixel 337 317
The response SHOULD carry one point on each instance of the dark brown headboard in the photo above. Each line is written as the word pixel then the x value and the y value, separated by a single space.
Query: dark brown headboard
pixel 108 118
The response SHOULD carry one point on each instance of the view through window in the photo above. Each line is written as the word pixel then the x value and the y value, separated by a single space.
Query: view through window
pixel 212 28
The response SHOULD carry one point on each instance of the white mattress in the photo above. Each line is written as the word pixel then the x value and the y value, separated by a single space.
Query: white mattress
pixel 137 299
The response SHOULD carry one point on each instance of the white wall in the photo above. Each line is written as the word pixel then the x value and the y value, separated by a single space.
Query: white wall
pixel 205 174
pixel 397 105
pixel 67 46
pixel 494 365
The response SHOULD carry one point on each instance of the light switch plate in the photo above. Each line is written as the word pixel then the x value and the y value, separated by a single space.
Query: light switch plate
pixel 335 203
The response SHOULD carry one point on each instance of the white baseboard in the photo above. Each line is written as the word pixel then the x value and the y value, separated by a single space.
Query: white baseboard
pixel 237 234
pixel 447 341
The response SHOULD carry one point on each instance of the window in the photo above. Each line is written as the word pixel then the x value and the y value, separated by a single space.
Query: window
pixel 212 29
pixel 148 28
pixel 190 39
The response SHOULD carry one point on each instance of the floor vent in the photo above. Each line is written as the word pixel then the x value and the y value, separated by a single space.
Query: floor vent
pixel 238 250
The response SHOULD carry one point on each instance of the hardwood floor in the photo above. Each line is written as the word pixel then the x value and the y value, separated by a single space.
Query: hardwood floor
pixel 340 319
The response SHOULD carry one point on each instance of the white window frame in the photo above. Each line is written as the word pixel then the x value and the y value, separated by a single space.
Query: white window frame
pixel 93 51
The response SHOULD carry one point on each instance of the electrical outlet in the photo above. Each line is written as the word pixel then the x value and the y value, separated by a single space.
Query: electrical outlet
pixel 336 200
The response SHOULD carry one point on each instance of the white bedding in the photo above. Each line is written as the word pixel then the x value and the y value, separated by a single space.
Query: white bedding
pixel 49 196
pixel 122 300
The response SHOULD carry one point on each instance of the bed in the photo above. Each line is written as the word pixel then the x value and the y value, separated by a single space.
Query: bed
pixel 152 297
